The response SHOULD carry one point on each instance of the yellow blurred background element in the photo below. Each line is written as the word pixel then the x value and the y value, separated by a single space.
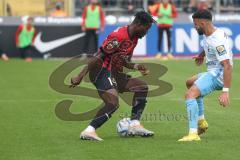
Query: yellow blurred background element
pixel 33 7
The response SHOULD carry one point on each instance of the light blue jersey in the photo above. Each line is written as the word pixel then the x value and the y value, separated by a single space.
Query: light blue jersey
pixel 217 48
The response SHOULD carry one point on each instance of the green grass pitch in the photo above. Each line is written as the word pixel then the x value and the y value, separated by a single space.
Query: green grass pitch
pixel 30 130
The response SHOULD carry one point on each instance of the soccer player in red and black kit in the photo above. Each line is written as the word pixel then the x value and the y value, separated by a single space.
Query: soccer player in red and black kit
pixel 106 73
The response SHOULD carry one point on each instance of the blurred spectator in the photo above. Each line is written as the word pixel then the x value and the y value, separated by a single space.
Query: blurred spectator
pixel 8 10
pixel 153 7
pixel 130 6
pixel 109 3
pixel 226 3
pixel 93 20
pixel 166 13
pixel 194 5
pixel 58 12
pixel 178 3
pixel 151 2
pixel 24 38
pixel 204 4
pixel 3 55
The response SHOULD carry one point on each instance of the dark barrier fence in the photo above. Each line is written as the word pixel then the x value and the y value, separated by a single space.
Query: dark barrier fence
pixel 46 35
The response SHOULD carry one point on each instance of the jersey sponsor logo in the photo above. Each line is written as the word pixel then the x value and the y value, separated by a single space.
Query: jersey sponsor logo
pixel 210 63
pixel 211 51
pixel 221 50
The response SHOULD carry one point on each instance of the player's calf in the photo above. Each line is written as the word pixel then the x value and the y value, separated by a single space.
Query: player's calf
pixel 139 101
pixel 102 116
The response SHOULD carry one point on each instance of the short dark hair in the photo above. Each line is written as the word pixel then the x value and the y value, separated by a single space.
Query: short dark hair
pixel 202 14
pixel 143 18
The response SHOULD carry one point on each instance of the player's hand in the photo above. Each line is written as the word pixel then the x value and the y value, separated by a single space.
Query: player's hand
pixel 198 60
pixel 75 81
pixel 224 99
pixel 144 71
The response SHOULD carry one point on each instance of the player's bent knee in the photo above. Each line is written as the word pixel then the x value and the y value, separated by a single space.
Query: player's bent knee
pixel 113 103
pixel 111 108
pixel 189 95
pixel 193 92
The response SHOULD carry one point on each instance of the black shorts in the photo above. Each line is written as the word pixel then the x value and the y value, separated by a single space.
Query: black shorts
pixel 104 80
pixel 121 80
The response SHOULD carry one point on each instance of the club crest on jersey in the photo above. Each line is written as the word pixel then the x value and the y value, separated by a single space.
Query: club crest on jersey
pixel 111 46
pixel 221 50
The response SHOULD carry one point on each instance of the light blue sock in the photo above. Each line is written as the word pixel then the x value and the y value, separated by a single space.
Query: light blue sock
pixel 200 107
pixel 192 110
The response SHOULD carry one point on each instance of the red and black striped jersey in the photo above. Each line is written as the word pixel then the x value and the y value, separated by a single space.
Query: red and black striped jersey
pixel 116 47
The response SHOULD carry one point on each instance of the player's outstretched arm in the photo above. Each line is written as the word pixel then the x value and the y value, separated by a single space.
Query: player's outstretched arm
pixel 227 76
pixel 200 58
pixel 77 80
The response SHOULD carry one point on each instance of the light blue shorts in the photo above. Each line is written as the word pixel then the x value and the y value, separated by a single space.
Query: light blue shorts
pixel 207 83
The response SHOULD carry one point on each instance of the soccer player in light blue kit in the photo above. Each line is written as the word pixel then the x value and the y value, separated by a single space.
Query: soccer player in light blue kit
pixel 218 54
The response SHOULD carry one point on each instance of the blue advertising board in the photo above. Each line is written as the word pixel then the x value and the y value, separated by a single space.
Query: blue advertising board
pixel 185 40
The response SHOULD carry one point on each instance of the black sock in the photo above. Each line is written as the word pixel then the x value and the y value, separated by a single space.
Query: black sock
pixel 138 108
pixel 103 115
